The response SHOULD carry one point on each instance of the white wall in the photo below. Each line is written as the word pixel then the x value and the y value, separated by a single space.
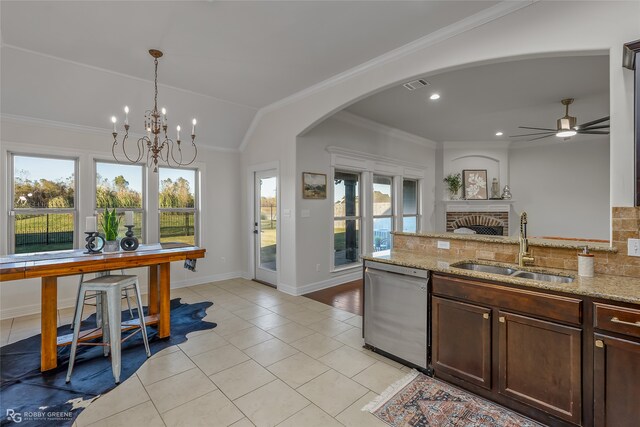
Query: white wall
pixel 220 198
pixel 314 233
pixel 541 29
pixel 564 188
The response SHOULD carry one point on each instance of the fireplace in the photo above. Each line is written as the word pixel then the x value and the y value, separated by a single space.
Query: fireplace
pixel 488 220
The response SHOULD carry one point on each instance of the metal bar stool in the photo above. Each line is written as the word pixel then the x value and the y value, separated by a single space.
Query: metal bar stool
pixel 96 296
pixel 110 288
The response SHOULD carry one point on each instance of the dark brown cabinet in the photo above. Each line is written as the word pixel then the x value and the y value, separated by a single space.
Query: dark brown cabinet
pixel 616 380
pixel 516 346
pixel 462 340
pixel 539 364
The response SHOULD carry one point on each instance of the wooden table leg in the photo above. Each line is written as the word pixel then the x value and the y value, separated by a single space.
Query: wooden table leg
pixel 164 324
pixel 153 289
pixel 49 326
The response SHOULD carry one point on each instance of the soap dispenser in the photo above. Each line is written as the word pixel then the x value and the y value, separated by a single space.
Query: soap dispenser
pixel 585 263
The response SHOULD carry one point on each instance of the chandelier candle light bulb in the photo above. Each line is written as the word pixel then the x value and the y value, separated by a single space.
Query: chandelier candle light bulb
pixel 114 120
pixel 178 131
pixel 193 128
pixel 164 116
pixel 126 115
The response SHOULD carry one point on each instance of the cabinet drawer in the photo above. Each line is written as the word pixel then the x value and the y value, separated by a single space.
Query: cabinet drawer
pixel 617 319
pixel 554 307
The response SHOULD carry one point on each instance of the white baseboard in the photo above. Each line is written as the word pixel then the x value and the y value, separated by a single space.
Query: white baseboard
pixel 323 284
pixel 26 310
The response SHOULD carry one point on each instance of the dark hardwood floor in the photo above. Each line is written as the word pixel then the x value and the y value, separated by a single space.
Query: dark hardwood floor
pixel 346 297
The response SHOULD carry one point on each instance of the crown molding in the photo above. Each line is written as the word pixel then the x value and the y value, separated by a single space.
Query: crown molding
pixel 128 76
pixel 469 23
pixel 88 129
pixel 362 122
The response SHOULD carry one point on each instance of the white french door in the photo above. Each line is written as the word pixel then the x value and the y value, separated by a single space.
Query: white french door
pixel 265 226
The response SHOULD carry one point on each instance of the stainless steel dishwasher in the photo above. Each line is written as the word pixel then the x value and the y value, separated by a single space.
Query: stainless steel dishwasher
pixel 396 311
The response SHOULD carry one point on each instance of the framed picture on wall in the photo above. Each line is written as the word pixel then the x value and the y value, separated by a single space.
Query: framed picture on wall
pixel 474 184
pixel 314 185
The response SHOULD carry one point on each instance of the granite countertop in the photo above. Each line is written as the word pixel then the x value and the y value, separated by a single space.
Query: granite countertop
pixel 616 288
pixel 533 241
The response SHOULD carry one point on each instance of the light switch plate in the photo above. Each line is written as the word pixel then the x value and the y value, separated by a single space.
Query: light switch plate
pixel 633 247
pixel 305 213
pixel 443 244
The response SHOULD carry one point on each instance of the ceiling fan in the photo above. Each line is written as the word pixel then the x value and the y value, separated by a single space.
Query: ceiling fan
pixel 567 126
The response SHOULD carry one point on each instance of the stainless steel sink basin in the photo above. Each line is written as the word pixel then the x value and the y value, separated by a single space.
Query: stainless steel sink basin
pixel 494 269
pixel 513 272
pixel 543 277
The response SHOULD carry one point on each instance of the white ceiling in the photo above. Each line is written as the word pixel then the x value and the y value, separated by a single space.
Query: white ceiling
pixel 81 61
pixel 477 102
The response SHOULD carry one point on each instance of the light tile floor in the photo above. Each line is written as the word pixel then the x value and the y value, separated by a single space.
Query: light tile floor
pixel 273 360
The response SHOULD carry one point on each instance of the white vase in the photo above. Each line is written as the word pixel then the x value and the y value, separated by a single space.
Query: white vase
pixel 454 196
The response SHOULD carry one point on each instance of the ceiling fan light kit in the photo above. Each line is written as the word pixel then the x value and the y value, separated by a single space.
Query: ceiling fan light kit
pixel 567 126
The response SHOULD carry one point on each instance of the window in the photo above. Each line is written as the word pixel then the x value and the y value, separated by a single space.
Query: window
pixel 410 216
pixel 178 205
pixel 121 187
pixel 43 203
pixel 346 218
pixel 382 212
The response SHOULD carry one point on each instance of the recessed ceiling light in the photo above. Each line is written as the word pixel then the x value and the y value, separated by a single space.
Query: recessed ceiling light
pixel 499 133
pixel 434 96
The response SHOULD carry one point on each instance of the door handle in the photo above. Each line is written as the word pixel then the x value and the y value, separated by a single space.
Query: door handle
pixel 255 231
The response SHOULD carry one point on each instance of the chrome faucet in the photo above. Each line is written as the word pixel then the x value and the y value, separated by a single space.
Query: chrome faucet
pixel 524 256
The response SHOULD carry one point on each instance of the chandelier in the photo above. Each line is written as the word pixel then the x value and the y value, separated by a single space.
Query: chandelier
pixel 156 144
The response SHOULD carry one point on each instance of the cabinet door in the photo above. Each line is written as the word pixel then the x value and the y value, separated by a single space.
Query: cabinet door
pixel 540 365
pixel 462 341
pixel 616 382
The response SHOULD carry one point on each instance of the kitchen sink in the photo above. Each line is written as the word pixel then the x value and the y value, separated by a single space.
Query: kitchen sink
pixel 513 272
pixel 494 269
pixel 543 277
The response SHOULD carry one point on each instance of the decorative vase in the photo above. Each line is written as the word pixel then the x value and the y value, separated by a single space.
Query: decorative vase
pixel 111 246
pixel 506 193
pixel 454 195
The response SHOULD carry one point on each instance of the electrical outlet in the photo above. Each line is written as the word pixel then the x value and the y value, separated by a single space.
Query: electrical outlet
pixel 633 247
pixel 223 259
pixel 318 267
pixel 443 244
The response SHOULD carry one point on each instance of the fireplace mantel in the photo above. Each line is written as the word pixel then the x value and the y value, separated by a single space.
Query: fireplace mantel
pixel 478 205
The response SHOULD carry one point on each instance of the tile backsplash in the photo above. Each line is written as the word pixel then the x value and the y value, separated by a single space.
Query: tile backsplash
pixel 625 225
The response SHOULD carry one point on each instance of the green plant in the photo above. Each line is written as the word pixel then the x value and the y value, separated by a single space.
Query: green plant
pixel 454 182
pixel 110 224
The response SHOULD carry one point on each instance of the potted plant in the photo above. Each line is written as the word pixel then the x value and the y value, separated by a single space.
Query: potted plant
pixel 110 225
pixel 454 184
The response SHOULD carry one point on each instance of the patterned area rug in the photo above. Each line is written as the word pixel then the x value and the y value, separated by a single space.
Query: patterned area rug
pixel 419 401
pixel 32 398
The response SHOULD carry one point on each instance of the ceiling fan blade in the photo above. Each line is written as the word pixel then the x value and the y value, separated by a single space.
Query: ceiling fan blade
pixel 594 122
pixel 592 127
pixel 592 132
pixel 540 137
pixel 531 134
pixel 527 127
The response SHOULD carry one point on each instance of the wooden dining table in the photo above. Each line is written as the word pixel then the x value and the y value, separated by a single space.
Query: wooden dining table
pixel 50 265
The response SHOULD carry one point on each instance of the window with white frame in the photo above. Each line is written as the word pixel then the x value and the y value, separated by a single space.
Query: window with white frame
pixel 43 207
pixel 382 212
pixel 410 203
pixel 346 218
pixel 121 187
pixel 178 205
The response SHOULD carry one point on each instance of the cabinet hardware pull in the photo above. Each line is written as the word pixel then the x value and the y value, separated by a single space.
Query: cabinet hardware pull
pixel 599 343
pixel 616 320
pixel 501 319
pixel 485 315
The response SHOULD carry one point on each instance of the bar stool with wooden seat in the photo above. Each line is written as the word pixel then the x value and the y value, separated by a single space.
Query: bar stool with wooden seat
pixel 110 287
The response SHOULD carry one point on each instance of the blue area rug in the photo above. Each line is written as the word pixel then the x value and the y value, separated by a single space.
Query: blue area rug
pixel 29 397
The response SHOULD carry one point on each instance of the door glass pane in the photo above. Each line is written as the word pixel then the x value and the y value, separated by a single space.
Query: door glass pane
pixel 177 188
pixel 268 222
pixel 381 234
pixel 177 227
pixel 409 197
pixel 43 232
pixel 346 241
pixel 346 200
pixel 382 195
pixel 43 182
pixel 118 186
pixel 409 224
